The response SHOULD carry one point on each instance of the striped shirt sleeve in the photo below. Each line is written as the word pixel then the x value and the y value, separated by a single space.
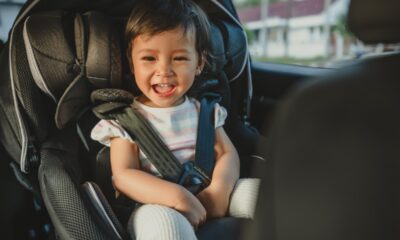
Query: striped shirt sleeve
pixel 220 115
pixel 105 130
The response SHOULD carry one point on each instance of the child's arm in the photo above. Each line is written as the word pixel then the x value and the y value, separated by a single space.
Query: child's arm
pixel 146 188
pixel 215 197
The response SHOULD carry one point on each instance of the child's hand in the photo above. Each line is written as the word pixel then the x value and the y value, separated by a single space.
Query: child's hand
pixel 215 199
pixel 191 208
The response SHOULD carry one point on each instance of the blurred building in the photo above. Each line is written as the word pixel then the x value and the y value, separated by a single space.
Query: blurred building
pixel 296 28
pixel 8 11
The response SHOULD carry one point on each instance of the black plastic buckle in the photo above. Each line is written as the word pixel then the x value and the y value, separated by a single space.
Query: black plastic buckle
pixel 193 178
pixel 33 156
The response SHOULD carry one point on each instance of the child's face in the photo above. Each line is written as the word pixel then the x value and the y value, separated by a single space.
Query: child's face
pixel 165 66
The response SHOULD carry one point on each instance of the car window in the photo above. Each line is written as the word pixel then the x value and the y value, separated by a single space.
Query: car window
pixel 8 11
pixel 304 32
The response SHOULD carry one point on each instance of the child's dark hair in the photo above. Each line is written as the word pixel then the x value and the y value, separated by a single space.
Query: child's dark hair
pixel 151 17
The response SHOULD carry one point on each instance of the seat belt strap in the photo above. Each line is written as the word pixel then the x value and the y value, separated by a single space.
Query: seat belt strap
pixel 205 156
pixel 150 143
pixel 116 104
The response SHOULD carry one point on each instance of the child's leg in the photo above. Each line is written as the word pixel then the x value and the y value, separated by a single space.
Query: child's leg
pixel 159 223
pixel 244 198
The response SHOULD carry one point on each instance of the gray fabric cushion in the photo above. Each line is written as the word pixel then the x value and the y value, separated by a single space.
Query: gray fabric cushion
pixel 335 159
pixel 375 21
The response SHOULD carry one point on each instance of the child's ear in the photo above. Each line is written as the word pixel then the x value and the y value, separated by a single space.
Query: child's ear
pixel 200 66
pixel 198 71
pixel 132 68
pixel 130 61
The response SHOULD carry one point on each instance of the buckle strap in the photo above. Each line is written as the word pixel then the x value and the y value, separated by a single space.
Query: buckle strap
pixel 204 157
pixel 194 176
pixel 116 104
pixel 150 143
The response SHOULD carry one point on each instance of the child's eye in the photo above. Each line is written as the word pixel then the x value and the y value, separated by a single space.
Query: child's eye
pixel 148 58
pixel 181 58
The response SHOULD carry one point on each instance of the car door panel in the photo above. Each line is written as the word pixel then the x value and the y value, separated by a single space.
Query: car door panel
pixel 271 81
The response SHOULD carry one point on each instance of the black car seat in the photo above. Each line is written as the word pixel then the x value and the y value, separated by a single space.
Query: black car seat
pixel 58 52
pixel 335 150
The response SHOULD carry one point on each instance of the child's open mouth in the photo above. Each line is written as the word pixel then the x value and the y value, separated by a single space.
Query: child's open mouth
pixel 164 89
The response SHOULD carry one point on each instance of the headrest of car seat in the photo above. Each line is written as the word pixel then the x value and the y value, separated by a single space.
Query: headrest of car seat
pixel 70 54
pixel 103 63
pixel 228 57
pixel 228 49
pixel 375 21
pixel 217 60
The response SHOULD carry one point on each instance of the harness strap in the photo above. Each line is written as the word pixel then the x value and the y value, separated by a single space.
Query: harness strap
pixel 150 143
pixel 205 157
pixel 116 104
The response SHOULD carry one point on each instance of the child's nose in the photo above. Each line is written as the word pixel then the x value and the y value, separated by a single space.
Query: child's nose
pixel 164 69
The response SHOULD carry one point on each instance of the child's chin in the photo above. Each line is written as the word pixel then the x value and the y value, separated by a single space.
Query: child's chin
pixel 168 103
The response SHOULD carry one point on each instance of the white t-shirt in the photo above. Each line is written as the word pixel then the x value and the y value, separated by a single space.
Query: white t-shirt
pixel 177 127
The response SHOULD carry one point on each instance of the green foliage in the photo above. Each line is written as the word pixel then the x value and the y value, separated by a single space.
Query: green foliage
pixel 315 61
pixel 250 35
pixel 341 27
pixel 247 3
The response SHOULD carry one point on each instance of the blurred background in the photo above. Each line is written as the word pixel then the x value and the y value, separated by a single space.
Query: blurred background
pixel 301 32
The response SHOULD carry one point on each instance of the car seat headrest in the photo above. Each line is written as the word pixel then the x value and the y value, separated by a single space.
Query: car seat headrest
pixel 103 63
pixel 70 54
pixel 217 60
pixel 375 21
pixel 227 60
pixel 226 48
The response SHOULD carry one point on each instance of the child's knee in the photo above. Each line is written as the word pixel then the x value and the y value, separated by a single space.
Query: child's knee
pixel 250 185
pixel 160 222
pixel 244 198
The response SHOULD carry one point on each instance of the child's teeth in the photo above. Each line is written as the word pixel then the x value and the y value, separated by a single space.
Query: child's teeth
pixel 163 87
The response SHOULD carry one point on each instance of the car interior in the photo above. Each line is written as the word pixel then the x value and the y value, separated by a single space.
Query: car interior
pixel 324 141
pixel 334 152
pixel 49 113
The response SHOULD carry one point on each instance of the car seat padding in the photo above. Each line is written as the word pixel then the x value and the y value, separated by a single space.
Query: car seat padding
pixel 78 64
